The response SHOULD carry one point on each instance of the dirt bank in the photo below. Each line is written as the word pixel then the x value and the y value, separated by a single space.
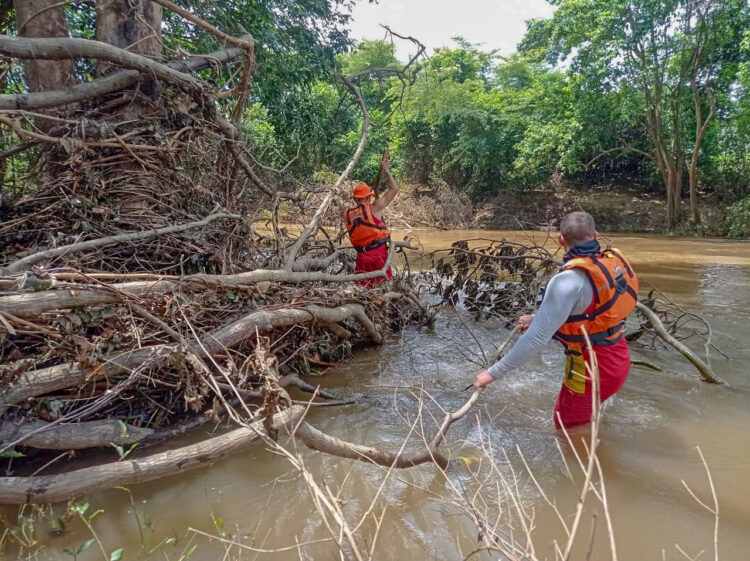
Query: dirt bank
pixel 615 210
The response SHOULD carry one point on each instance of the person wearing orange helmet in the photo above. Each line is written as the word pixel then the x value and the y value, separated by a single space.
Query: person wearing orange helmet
pixel 366 227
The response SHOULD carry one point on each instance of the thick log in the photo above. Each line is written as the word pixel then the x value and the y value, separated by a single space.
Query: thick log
pixel 70 48
pixel 322 442
pixel 72 436
pixel 109 84
pixel 34 304
pixel 45 380
pixel 64 486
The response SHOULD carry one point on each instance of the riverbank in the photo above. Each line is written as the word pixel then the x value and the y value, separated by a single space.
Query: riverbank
pixel 620 210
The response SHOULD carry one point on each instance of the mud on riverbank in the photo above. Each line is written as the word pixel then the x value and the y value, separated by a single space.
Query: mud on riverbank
pixel 615 210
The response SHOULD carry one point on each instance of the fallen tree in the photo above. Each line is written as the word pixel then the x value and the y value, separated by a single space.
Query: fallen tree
pixel 133 282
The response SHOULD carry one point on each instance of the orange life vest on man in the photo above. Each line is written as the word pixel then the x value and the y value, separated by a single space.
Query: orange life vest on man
pixel 615 295
pixel 365 231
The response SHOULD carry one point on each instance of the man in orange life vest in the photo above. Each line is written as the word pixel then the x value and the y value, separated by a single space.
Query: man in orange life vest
pixel 595 289
pixel 367 230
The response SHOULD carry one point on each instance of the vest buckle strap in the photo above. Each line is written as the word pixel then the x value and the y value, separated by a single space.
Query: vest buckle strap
pixel 374 245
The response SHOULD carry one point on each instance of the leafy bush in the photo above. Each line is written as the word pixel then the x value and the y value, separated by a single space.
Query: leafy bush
pixel 739 219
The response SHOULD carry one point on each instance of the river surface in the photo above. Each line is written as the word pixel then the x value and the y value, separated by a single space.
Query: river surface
pixel 649 441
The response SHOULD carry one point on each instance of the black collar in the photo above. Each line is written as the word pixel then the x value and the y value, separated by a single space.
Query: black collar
pixel 583 249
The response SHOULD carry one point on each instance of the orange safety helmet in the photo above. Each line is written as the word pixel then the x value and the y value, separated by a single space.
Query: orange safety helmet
pixel 362 191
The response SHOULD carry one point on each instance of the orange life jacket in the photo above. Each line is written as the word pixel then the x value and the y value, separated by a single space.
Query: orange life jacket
pixel 615 295
pixel 365 231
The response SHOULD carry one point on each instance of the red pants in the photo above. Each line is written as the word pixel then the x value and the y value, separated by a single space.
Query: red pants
pixel 574 405
pixel 373 260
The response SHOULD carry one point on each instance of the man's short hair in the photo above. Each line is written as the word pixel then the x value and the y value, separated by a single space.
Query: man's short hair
pixel 577 227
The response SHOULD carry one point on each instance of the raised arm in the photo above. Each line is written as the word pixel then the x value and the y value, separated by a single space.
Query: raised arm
pixel 379 206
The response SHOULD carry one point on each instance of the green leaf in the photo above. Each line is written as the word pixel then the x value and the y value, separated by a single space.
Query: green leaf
pixel 12 453
pixel 84 546
pixel 231 295
pixel 116 555
pixel 81 508
pixel 191 551
pixel 123 428
pixel 170 541
pixel 219 522
pixel 66 551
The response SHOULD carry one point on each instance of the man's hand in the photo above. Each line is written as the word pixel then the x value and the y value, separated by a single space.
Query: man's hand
pixel 385 162
pixel 524 322
pixel 483 379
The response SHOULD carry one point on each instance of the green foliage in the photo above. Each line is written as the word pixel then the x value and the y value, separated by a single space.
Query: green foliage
pixel 577 101
pixel 739 219
pixel 485 130
pixel 369 55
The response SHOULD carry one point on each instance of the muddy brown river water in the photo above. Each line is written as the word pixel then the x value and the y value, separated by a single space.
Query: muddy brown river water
pixel 648 443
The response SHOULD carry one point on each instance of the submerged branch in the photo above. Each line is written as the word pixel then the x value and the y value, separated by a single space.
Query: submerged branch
pixel 53 488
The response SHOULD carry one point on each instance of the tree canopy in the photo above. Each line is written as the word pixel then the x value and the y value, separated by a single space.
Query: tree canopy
pixel 651 94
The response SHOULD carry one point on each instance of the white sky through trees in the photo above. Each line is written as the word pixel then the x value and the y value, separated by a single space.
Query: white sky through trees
pixel 496 24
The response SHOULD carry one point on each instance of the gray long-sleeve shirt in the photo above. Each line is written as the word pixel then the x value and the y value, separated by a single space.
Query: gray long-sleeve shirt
pixel 568 292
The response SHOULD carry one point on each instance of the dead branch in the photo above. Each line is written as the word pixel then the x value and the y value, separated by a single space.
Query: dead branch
pixel 231 133
pixel 54 488
pixel 110 84
pixel 658 326
pixel 334 192
pixel 27 262
pixel 22 133
pixel 312 264
pixel 18 149
pixel 245 42
pixel 36 303
pixel 72 436
pixel 322 442
pixel 67 48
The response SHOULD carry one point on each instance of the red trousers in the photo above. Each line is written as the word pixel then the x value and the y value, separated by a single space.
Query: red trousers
pixel 372 260
pixel 574 405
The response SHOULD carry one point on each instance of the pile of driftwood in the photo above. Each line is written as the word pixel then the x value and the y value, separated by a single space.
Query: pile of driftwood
pixel 143 288
pixel 492 278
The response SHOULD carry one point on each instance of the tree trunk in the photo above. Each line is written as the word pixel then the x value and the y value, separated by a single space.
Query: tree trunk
pixel 44 18
pixel 676 203
pixel 700 131
pixel 134 25
pixel 695 215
